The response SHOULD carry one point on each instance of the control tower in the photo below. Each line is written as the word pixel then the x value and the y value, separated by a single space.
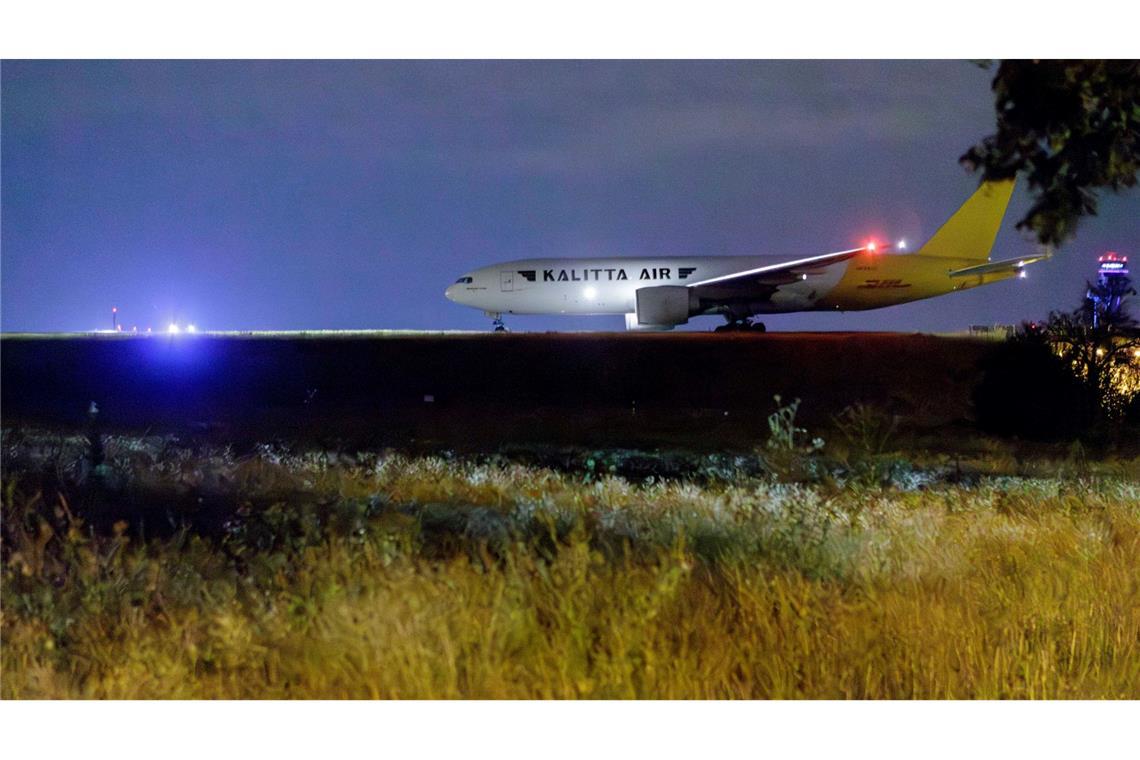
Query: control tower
pixel 1112 286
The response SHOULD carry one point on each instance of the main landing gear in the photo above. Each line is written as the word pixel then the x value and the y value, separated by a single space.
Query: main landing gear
pixel 741 325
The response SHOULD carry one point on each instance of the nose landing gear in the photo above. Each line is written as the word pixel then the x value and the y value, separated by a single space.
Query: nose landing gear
pixel 497 322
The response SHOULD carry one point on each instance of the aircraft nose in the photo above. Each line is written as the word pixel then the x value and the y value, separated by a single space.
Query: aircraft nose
pixel 450 293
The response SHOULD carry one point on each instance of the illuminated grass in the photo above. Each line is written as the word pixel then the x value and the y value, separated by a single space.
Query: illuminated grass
pixel 386 576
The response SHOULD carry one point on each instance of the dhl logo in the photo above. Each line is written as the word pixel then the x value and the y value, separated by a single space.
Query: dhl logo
pixel 883 284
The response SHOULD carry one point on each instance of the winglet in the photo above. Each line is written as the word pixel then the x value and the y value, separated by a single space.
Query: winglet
pixel 970 232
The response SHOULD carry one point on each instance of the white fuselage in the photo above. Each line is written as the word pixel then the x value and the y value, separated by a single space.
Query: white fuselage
pixel 609 285
pixel 663 292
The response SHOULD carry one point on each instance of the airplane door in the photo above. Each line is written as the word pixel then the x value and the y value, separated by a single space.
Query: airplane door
pixel 507 281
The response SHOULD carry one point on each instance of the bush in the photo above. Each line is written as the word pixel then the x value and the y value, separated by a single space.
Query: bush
pixel 789 450
pixel 1030 392
pixel 867 429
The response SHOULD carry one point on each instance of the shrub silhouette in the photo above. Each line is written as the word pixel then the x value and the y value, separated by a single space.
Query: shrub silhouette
pixel 1030 392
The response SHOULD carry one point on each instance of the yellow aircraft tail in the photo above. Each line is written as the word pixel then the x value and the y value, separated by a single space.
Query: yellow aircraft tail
pixel 970 232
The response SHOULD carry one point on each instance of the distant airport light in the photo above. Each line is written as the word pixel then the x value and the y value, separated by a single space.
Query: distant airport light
pixel 590 293
pixel 191 328
pixel 148 329
pixel 173 329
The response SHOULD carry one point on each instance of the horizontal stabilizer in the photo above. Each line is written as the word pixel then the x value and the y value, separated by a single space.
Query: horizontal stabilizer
pixel 997 267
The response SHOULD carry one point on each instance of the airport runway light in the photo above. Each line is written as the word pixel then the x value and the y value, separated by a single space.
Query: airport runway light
pixel 114 317
pixel 191 329
pixel 173 329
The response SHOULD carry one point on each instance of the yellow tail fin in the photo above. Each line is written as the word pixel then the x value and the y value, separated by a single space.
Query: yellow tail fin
pixel 970 232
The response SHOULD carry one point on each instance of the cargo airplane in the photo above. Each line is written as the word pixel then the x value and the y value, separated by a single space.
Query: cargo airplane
pixel 660 293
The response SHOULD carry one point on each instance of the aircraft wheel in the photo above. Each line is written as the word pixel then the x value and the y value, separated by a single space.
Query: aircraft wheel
pixel 742 326
pixel 758 327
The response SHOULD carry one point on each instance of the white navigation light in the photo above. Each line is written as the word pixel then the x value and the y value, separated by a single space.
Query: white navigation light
pixel 590 293
pixel 173 329
pixel 1022 274
pixel 902 245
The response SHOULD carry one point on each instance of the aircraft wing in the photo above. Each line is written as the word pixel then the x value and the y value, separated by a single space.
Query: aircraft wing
pixel 773 275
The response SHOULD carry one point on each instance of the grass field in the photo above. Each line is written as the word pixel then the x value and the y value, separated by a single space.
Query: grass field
pixel 794 571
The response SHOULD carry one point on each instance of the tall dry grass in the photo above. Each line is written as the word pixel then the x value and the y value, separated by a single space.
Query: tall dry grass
pixel 432 578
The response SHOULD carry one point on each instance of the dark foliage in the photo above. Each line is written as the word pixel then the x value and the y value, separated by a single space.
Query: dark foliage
pixel 1029 391
pixel 1071 128
pixel 1106 304
pixel 1132 415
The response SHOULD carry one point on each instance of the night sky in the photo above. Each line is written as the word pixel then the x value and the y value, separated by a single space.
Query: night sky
pixel 294 195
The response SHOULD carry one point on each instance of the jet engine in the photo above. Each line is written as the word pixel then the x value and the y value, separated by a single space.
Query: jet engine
pixel 664 306
pixel 631 325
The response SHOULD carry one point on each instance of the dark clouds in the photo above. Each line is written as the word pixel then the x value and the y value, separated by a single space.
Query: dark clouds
pixel 348 194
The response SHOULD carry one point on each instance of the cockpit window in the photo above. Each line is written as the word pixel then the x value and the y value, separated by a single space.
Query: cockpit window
pixel 465 281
